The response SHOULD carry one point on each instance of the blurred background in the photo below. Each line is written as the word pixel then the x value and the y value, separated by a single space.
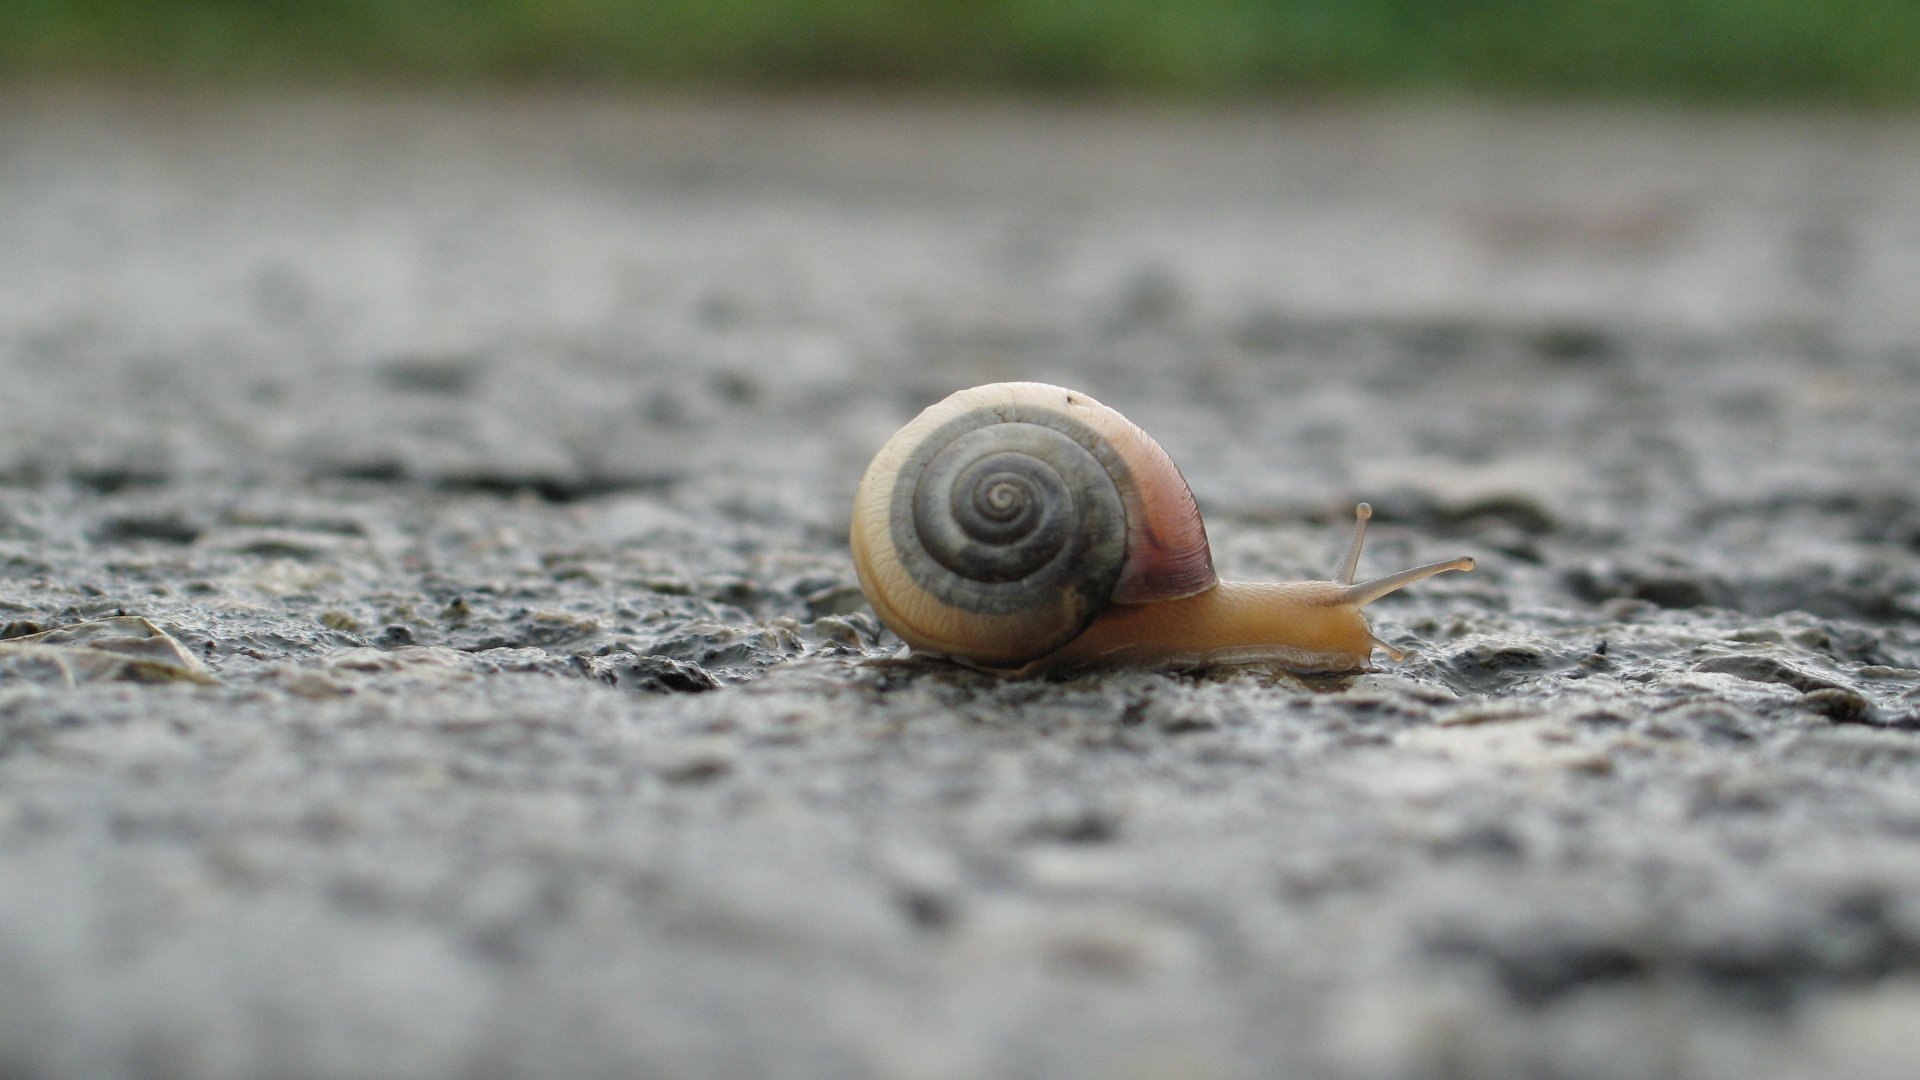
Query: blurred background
pixel 1794 50
pixel 576 245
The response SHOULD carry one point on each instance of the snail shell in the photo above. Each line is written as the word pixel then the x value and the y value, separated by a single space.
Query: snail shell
pixel 1022 526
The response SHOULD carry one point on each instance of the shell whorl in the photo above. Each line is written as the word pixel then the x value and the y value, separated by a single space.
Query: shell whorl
pixel 1008 509
pixel 1003 520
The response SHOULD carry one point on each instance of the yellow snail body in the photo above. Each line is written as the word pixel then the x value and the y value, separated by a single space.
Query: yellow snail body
pixel 1022 527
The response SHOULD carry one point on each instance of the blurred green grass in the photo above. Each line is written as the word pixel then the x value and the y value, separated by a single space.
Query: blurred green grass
pixel 1824 50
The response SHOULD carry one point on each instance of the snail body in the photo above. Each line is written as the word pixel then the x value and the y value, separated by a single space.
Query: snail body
pixel 1021 527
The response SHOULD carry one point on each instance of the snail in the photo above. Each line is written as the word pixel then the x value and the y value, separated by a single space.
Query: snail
pixel 1022 527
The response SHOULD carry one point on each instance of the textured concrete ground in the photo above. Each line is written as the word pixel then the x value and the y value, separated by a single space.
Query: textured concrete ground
pixel 505 706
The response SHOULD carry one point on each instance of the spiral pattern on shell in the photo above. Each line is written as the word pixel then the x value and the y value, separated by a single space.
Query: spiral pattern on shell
pixel 998 524
pixel 1013 509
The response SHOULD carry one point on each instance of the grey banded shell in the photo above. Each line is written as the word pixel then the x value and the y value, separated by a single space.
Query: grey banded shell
pixel 1003 510
pixel 1003 520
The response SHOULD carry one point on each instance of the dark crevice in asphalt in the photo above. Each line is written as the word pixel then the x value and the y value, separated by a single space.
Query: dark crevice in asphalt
pixel 558 490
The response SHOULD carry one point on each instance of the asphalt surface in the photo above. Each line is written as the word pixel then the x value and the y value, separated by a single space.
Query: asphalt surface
pixel 430 648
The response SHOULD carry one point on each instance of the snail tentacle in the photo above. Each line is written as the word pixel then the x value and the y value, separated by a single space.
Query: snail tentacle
pixel 1350 564
pixel 1361 593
